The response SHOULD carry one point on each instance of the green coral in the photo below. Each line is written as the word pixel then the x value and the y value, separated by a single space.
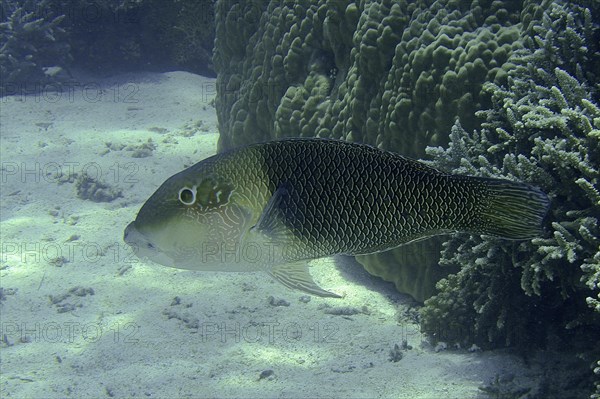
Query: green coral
pixel 543 128
pixel 390 73
pixel 597 372
pixel 394 74
pixel 414 270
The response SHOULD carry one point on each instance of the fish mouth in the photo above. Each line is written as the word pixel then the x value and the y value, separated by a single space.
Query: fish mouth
pixel 144 248
pixel 127 233
pixel 133 237
pixel 147 249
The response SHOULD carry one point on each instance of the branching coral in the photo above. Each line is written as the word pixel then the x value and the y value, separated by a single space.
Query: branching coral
pixel 40 38
pixel 543 128
pixel 31 43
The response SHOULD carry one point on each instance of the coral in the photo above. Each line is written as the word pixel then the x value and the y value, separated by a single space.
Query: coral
pixel 32 49
pixel 597 372
pixel 39 39
pixel 88 188
pixel 394 74
pixel 543 128
pixel 389 73
pixel 413 268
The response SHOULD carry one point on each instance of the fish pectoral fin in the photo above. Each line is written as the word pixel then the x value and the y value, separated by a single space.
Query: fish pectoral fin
pixel 271 221
pixel 296 276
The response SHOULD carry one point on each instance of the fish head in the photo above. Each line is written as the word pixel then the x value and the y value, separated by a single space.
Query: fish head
pixel 193 221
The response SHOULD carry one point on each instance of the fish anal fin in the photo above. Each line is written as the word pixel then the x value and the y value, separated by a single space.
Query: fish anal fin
pixel 296 276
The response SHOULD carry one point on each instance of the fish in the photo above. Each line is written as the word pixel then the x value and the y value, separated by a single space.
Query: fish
pixel 276 205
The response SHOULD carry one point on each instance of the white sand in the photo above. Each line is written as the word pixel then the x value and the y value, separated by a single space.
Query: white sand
pixel 130 339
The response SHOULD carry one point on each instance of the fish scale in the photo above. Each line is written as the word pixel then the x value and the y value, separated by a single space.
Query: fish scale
pixel 310 198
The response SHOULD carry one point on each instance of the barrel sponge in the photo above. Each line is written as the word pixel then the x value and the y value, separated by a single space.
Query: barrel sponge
pixel 543 128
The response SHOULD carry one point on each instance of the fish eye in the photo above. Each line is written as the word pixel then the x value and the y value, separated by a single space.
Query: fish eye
pixel 187 195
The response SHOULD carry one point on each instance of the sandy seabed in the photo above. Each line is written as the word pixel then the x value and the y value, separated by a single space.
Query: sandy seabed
pixel 81 317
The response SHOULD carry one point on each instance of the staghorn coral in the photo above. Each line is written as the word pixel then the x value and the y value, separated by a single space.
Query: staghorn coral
pixel 543 128
pixel 31 43
pixel 596 395
pixel 40 39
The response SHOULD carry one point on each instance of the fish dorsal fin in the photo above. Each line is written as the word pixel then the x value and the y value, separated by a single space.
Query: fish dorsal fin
pixel 271 222
pixel 296 276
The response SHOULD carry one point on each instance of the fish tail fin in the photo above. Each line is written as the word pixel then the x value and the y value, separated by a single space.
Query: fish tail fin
pixel 512 210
